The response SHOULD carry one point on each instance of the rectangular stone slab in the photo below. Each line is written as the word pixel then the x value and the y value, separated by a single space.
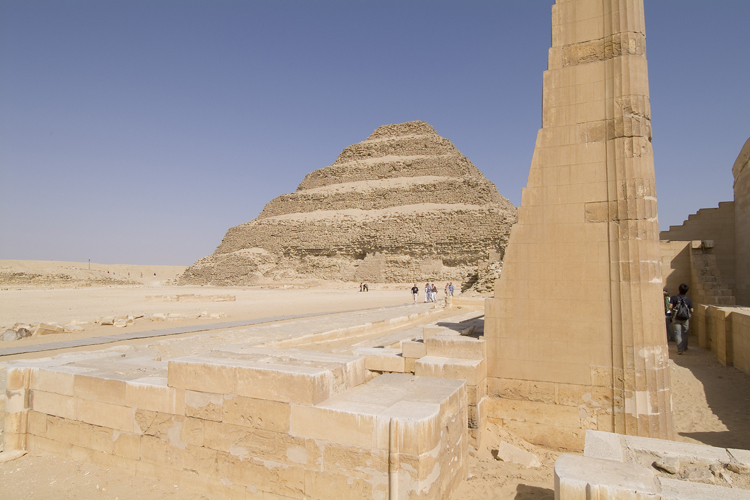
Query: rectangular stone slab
pixel 456 347
pixel 276 382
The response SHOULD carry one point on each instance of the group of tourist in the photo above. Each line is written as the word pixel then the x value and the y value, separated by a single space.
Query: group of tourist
pixel 678 310
pixel 430 292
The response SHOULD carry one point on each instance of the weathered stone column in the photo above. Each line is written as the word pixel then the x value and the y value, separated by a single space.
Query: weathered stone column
pixel 576 331
pixel 741 172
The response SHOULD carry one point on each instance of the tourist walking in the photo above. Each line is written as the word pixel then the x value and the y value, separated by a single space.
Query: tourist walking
pixel 434 293
pixel 426 292
pixel 450 288
pixel 415 292
pixel 681 308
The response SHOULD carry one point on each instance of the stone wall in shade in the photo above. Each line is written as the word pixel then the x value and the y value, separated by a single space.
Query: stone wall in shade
pixel 741 172
pixel 717 225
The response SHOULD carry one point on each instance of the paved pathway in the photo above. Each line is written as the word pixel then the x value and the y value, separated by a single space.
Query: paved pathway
pixel 108 339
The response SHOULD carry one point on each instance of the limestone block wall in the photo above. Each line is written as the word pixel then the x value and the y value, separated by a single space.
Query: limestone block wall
pixel 675 264
pixel 708 286
pixel 717 225
pixel 253 425
pixel 725 331
pixel 741 172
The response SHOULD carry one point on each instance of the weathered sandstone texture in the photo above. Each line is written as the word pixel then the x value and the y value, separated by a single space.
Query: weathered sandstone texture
pixel 741 172
pixel 231 417
pixel 575 333
pixel 403 205
pixel 614 467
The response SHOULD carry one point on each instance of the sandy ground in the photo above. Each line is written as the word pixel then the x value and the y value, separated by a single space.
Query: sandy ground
pixel 711 402
pixel 86 304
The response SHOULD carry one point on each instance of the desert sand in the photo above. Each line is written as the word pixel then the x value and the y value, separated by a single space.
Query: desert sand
pixel 711 403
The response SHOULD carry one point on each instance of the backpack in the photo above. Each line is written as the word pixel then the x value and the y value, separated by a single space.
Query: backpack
pixel 681 310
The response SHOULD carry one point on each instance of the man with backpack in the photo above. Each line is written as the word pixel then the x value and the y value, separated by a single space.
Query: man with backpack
pixel 681 308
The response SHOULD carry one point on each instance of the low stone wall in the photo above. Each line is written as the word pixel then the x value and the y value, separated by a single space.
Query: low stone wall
pixel 247 423
pixel 617 467
pixel 725 330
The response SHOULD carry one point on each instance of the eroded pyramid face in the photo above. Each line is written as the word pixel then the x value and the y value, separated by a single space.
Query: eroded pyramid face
pixel 404 204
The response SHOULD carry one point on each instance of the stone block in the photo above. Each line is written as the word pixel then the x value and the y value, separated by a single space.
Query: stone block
pixel 256 444
pixel 52 381
pixel 415 427
pixel 431 331
pixel 525 390
pixel 203 405
pixel 116 417
pixel 199 460
pixel 277 479
pixel 45 446
pixel 153 393
pixel 37 424
pixel 53 404
pixel 157 451
pixel 355 461
pixel 18 377
pixel 475 393
pixel 581 477
pixel 101 389
pixel 529 411
pixel 47 329
pixel 16 423
pixel 472 371
pixel 305 385
pixel 339 426
pixel 605 445
pixel 563 438
pixel 257 413
pixel 16 400
pixel 287 383
pixel 202 374
pixel 410 365
pixel 348 370
pixel 15 442
pixel 413 349
pixel 381 360
pixel 80 434
pixel 456 347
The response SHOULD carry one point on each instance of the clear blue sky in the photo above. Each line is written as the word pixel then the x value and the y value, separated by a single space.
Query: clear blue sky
pixel 139 131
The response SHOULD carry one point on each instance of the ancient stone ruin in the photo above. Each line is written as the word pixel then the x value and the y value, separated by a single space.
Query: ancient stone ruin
pixel 269 411
pixel 403 205
pixel 575 332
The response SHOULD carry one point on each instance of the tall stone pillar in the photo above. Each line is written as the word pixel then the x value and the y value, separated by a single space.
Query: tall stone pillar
pixel 576 334
pixel 741 172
